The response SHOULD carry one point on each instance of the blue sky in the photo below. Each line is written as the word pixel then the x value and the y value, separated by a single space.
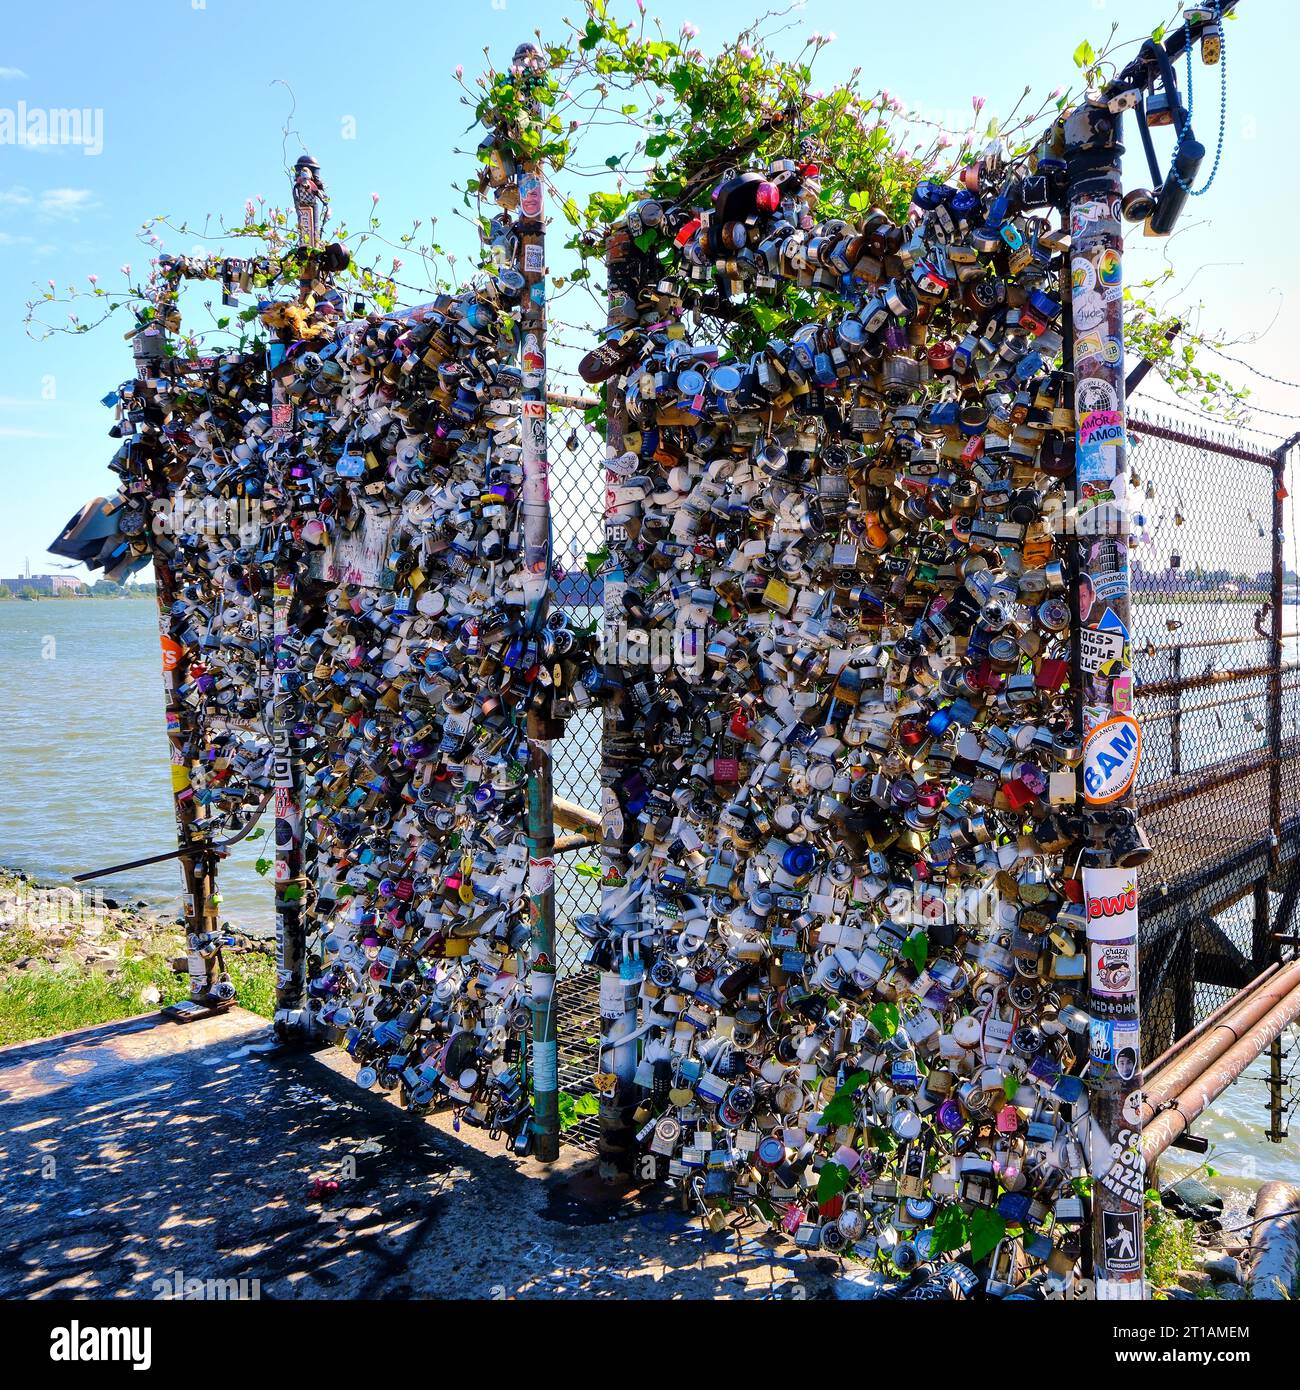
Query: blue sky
pixel 192 120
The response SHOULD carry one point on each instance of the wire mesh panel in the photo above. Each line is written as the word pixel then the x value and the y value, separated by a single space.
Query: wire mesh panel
pixel 577 514
pixel 1217 672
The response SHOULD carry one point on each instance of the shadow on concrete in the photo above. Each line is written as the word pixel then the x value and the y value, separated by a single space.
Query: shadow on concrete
pixel 140 1155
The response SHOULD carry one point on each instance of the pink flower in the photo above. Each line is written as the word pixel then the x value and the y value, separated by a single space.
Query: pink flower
pixel 943 141
pixel 50 283
pixel 1057 92
pixel 978 103
pixel 94 279
pixel 374 197
pixel 745 52
pixel 689 29
pixel 460 71
pixel 126 270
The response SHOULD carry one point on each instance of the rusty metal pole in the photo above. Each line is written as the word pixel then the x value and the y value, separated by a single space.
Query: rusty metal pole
pixel 292 1018
pixel 1112 739
pixel 197 860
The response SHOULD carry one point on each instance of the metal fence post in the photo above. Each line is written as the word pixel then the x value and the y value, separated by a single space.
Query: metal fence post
pixel 291 1017
pixel 1111 735
pixel 1275 658
pixel 197 860
pixel 619 990
pixel 535 508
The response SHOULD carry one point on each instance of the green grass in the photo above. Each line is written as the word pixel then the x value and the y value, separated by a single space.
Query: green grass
pixel 1170 1246
pixel 44 999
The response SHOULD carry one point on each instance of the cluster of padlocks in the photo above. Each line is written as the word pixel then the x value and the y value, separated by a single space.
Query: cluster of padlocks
pixel 849 943
pixel 416 662
pixel 858 950
pixel 190 496
pixel 415 687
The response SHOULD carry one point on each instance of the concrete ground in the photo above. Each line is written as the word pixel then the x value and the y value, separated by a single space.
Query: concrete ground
pixel 140 1153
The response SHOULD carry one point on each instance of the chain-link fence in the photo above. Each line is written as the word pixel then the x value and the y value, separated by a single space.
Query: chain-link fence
pixel 1218 669
pixel 1217 655
pixel 577 514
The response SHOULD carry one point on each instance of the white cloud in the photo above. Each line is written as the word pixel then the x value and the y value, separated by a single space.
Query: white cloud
pixel 15 197
pixel 8 74
pixel 66 202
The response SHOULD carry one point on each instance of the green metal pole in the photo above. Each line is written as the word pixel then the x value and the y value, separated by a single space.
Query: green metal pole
pixel 535 511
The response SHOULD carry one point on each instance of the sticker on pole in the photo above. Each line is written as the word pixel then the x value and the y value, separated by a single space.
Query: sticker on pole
pixel 1111 754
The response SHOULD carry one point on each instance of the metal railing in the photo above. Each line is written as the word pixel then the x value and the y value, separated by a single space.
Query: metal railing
pixel 1217 663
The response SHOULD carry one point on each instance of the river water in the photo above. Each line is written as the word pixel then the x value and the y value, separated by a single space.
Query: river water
pixel 84 783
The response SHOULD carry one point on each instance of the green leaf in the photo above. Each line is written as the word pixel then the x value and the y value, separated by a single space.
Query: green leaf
pixel 883 1018
pixel 987 1227
pixel 839 1109
pixel 1084 56
pixel 916 949
pixel 574 1108
pixel 951 1230
pixel 1010 1085
pixel 831 1181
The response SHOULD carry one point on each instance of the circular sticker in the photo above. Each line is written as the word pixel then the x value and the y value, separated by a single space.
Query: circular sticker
pixel 1093 393
pixel 1111 754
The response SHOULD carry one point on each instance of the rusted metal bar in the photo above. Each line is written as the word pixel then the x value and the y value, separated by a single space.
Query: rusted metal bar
pixel 1175 1076
pixel 1141 427
pixel 1186 1039
pixel 1211 1082
pixel 1151 689
pixel 1215 642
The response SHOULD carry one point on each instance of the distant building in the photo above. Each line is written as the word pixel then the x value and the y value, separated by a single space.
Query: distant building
pixel 48 585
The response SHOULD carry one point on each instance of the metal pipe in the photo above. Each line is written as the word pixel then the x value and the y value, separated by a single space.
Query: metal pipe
pixel 619 910
pixel 1176 1075
pixel 535 510
pixel 1211 1083
pixel 1182 1043
pixel 1275 1241
pixel 1114 844
pixel 292 1017
pixel 1275 658
pixel 176 853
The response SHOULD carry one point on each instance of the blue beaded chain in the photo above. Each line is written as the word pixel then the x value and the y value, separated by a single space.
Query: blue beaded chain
pixel 1223 103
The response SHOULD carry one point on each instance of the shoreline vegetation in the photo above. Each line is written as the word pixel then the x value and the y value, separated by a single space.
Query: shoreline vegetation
pixel 72 959
pixel 100 589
